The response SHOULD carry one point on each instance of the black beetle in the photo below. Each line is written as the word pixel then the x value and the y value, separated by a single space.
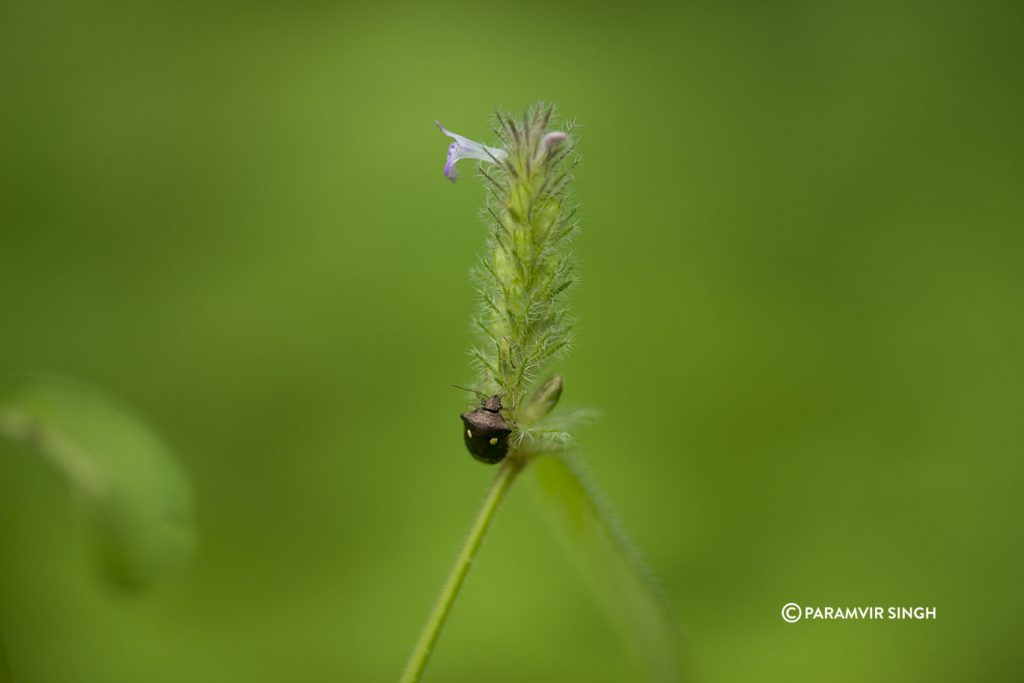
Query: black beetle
pixel 487 432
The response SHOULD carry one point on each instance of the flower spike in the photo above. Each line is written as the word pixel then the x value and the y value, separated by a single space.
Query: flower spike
pixel 464 148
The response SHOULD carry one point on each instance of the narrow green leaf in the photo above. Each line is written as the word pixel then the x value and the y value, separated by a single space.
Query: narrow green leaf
pixel 136 497
pixel 612 567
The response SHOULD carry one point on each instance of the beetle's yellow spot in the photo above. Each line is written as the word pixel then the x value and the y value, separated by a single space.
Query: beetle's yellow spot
pixel 469 434
pixel 493 441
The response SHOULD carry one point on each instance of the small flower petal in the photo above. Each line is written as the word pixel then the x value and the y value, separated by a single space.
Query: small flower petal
pixel 464 148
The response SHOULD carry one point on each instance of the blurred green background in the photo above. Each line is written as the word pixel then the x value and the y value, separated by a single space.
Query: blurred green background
pixel 800 316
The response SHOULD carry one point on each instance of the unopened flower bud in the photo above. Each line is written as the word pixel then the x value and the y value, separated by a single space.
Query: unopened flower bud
pixel 553 140
pixel 543 400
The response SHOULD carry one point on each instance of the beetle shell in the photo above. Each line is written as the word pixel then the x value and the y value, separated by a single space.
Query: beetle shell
pixel 486 432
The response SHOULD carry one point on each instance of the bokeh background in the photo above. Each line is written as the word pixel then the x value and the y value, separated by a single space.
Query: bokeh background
pixel 800 316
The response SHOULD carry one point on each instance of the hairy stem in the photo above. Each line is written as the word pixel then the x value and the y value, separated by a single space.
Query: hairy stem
pixel 506 474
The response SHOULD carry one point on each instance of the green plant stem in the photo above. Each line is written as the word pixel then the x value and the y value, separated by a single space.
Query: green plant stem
pixel 5 672
pixel 506 474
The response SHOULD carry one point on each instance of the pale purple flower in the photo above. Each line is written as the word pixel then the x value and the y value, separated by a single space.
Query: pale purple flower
pixel 464 148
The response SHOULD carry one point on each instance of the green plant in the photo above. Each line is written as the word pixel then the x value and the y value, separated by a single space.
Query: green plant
pixel 133 493
pixel 523 280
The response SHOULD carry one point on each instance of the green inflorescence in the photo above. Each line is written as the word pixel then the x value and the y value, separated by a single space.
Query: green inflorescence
pixel 527 272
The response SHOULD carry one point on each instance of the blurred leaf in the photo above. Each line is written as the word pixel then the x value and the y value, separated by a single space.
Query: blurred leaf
pixel 612 567
pixel 135 495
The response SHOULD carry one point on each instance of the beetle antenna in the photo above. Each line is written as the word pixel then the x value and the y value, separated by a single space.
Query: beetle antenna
pixel 479 394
